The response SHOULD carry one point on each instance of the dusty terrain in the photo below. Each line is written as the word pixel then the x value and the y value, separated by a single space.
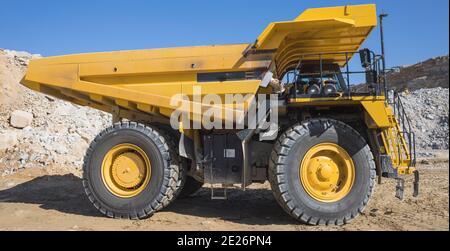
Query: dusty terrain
pixel 33 199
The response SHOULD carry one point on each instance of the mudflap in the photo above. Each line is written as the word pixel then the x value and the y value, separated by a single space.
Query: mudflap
pixel 400 188
pixel 389 172
pixel 416 183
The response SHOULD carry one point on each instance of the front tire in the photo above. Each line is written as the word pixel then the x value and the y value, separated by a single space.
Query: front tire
pixel 322 172
pixel 130 171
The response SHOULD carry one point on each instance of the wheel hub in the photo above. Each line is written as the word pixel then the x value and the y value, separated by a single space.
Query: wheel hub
pixel 327 172
pixel 126 170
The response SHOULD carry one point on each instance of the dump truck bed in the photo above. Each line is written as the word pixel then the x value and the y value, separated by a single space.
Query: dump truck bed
pixel 144 81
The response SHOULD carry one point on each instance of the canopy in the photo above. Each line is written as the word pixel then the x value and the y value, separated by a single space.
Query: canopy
pixel 316 31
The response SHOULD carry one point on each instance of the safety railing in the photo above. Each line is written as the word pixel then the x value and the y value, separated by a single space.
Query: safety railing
pixel 373 70
pixel 405 131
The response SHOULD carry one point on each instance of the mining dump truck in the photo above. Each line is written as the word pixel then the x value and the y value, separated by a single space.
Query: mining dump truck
pixel 294 119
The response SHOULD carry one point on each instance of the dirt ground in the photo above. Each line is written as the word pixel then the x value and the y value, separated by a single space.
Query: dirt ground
pixel 33 199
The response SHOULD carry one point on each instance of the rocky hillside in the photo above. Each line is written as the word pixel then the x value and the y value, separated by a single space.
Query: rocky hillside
pixel 40 131
pixel 37 130
pixel 431 73
pixel 428 113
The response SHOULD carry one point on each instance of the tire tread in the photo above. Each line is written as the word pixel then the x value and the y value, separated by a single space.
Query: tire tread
pixel 278 167
pixel 172 170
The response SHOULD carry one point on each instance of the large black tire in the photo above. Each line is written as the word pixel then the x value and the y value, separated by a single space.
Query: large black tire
pixel 284 172
pixel 173 137
pixel 165 171
pixel 191 186
pixel 187 185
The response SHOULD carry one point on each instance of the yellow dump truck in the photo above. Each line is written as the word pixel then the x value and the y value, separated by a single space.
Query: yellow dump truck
pixel 320 143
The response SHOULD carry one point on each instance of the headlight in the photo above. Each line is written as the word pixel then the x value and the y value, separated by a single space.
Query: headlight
pixel 313 90
pixel 329 90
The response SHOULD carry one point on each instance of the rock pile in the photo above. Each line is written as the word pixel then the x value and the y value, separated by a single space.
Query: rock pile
pixel 21 58
pixel 428 112
pixel 37 130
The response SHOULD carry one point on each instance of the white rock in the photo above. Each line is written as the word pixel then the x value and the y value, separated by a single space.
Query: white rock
pixel 7 140
pixel 21 119
pixel 24 157
pixel 63 110
pixel 19 54
pixel 80 147
pixel 60 149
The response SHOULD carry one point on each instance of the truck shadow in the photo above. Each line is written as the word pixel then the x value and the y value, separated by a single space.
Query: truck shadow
pixel 253 207
pixel 65 194
pixel 52 192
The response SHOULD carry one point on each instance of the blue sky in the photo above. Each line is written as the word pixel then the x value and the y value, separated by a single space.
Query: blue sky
pixel 415 30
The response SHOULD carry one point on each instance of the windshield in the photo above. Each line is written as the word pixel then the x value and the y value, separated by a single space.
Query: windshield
pixel 309 75
pixel 325 79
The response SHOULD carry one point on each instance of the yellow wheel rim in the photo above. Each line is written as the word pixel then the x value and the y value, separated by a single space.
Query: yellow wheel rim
pixel 327 172
pixel 126 170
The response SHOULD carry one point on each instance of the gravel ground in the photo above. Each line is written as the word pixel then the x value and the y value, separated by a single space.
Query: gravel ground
pixel 34 199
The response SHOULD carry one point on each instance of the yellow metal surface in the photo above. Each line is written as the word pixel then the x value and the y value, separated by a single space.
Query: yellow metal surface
pixel 377 111
pixel 149 77
pixel 377 114
pixel 319 30
pixel 335 100
pixel 327 173
pixel 126 170
pixel 335 23
pixel 144 81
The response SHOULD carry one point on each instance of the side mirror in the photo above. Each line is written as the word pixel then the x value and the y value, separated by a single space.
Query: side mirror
pixel 366 59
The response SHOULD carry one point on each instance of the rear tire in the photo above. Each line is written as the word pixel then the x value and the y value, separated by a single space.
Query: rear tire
pixel 287 167
pixel 164 168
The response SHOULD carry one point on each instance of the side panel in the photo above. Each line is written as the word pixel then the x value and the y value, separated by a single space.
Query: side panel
pixel 142 81
pixel 224 155
pixel 377 114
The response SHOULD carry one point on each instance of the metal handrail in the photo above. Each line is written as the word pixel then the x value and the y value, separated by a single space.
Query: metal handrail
pixel 405 125
pixel 375 66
